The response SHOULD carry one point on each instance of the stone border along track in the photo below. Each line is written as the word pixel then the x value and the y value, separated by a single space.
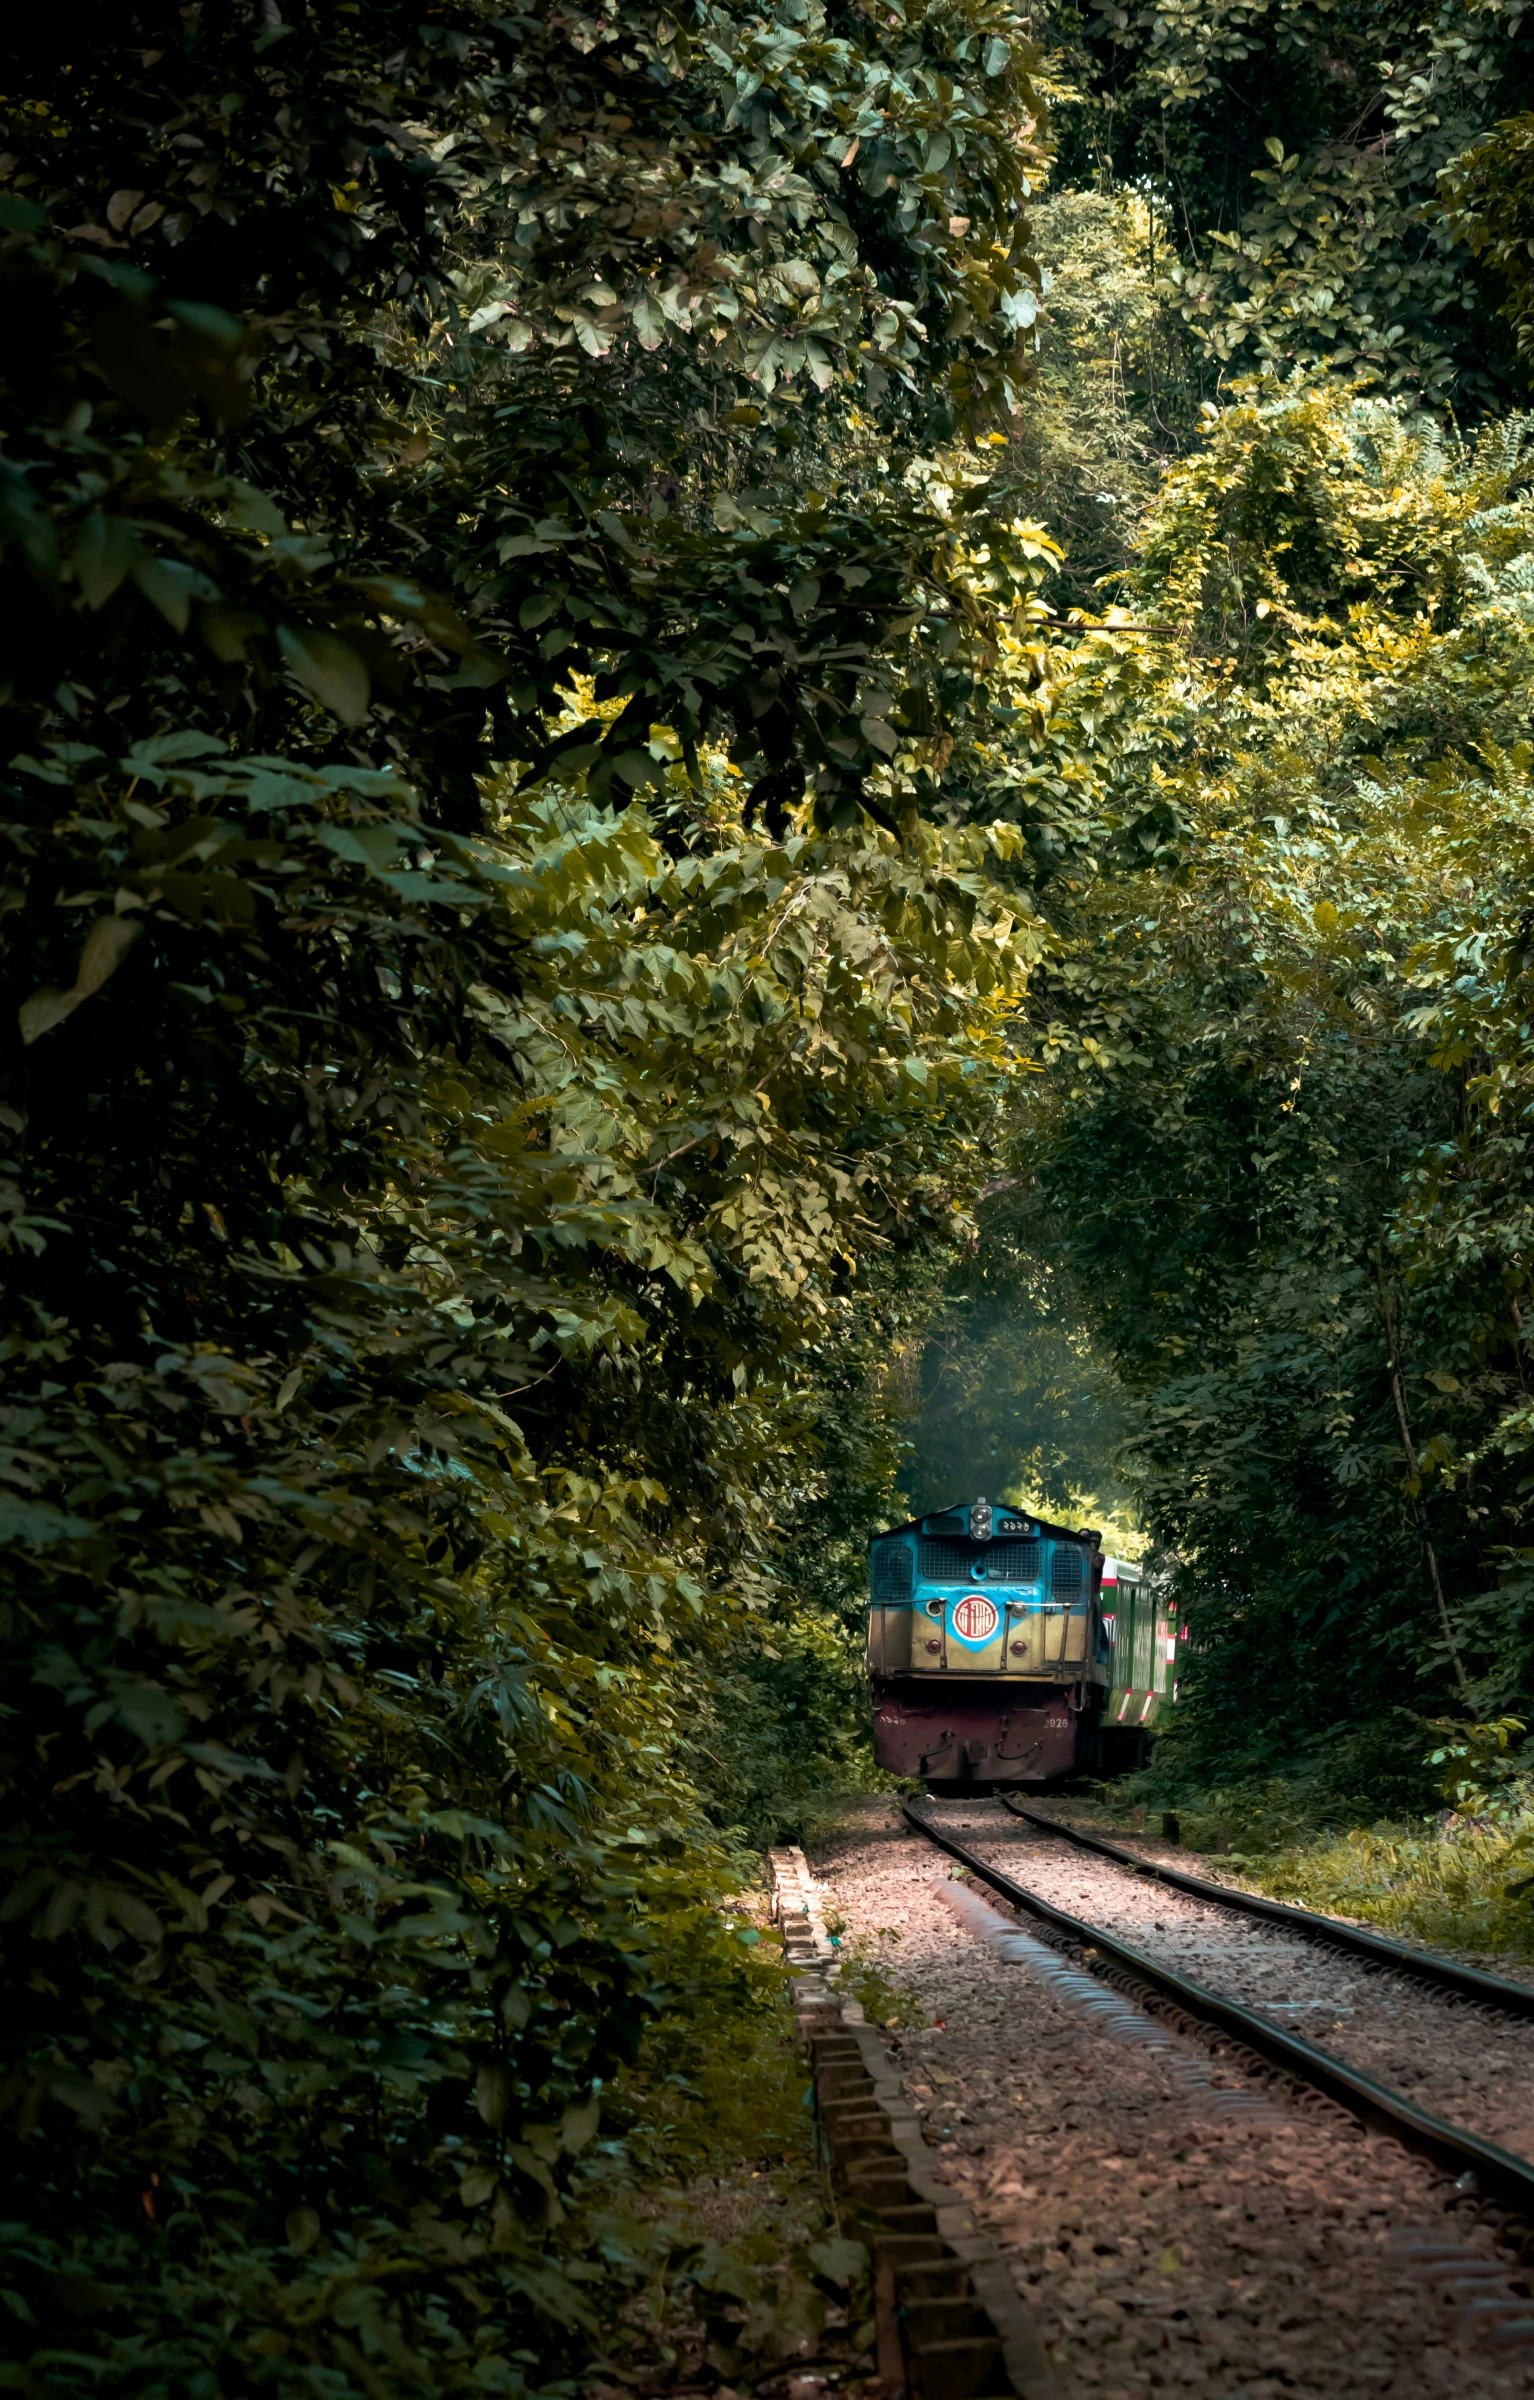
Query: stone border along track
pixel 951 2324
pixel 1135 1998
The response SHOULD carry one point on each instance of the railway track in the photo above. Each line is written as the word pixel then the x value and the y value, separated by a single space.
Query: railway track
pixel 1186 2192
pixel 1469 2158
pixel 1441 1974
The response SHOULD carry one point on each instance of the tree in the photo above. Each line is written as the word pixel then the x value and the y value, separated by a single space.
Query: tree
pixel 455 1087
pixel 1293 164
pixel 1276 1134
pixel 1488 193
pixel 1013 1399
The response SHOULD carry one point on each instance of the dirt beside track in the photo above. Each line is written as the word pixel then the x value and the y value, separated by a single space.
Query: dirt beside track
pixel 1164 2243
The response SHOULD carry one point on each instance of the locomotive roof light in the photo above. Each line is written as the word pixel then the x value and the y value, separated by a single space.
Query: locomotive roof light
pixel 980 1521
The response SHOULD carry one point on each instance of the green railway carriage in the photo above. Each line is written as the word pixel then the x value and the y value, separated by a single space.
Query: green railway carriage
pixel 1143 1637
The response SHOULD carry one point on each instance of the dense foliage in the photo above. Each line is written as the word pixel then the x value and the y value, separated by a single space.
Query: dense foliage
pixel 1488 197
pixel 1117 387
pixel 466 1116
pixel 1294 158
pixel 1009 1392
pixel 1283 1143
pixel 554 855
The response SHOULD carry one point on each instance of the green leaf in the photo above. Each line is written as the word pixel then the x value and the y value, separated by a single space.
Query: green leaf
pixel 225 1761
pixel 18 215
pixel 228 631
pixel 215 324
pixel 303 2230
pixel 46 1007
pixel 135 1916
pixel 171 585
pixel 106 946
pixel 649 321
pixel 148 760
pixel 327 667
pixel 491 2093
pixel 27 525
pixel 578 2125
pixel 37 1524
pixel 103 555
pixel 837 2260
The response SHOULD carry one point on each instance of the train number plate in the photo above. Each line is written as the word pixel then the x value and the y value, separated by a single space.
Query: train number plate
pixel 975 1617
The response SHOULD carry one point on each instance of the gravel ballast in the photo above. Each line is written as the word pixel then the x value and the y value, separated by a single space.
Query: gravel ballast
pixel 1172 2229
pixel 1459 2060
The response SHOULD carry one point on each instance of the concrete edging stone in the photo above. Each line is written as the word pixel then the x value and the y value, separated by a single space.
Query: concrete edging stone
pixel 951 2323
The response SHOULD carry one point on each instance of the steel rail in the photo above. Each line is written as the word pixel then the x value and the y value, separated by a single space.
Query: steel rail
pixel 1467 1983
pixel 1476 2164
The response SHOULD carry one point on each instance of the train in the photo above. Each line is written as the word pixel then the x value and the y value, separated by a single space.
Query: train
pixel 1005 1652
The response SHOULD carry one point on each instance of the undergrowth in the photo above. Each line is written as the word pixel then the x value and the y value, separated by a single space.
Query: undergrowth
pixel 1461 1877
pixel 866 1971
pixel 699 2222
pixel 719 2084
pixel 1466 1891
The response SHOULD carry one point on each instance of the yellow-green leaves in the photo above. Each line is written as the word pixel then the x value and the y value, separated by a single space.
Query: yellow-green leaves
pixel 735 1030
pixel 1283 1122
pixel 1330 254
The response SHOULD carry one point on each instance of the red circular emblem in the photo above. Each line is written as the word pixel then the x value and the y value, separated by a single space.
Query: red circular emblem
pixel 975 1618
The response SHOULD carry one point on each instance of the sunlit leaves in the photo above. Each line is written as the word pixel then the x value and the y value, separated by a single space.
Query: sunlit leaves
pixel 445 1198
pixel 1280 1134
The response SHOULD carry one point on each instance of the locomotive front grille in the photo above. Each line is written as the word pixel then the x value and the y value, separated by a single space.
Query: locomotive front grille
pixel 992 1562
pixel 944 1562
pixel 892 1573
pixel 1067 1570
pixel 1017 1561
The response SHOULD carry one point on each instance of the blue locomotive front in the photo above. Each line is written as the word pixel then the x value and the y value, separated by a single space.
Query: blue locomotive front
pixel 987 1652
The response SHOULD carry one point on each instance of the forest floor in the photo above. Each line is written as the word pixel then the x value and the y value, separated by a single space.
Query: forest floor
pixel 1171 2230
pixel 726 2201
pixel 749 2226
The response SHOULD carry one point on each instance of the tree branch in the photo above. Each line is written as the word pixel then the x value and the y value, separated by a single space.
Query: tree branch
pixel 1399 1396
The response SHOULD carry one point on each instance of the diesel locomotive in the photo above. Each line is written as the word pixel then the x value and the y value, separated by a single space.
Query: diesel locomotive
pixel 1004 1651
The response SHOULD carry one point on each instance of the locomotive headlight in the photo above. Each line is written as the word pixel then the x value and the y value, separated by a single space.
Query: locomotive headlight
pixel 980 1521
